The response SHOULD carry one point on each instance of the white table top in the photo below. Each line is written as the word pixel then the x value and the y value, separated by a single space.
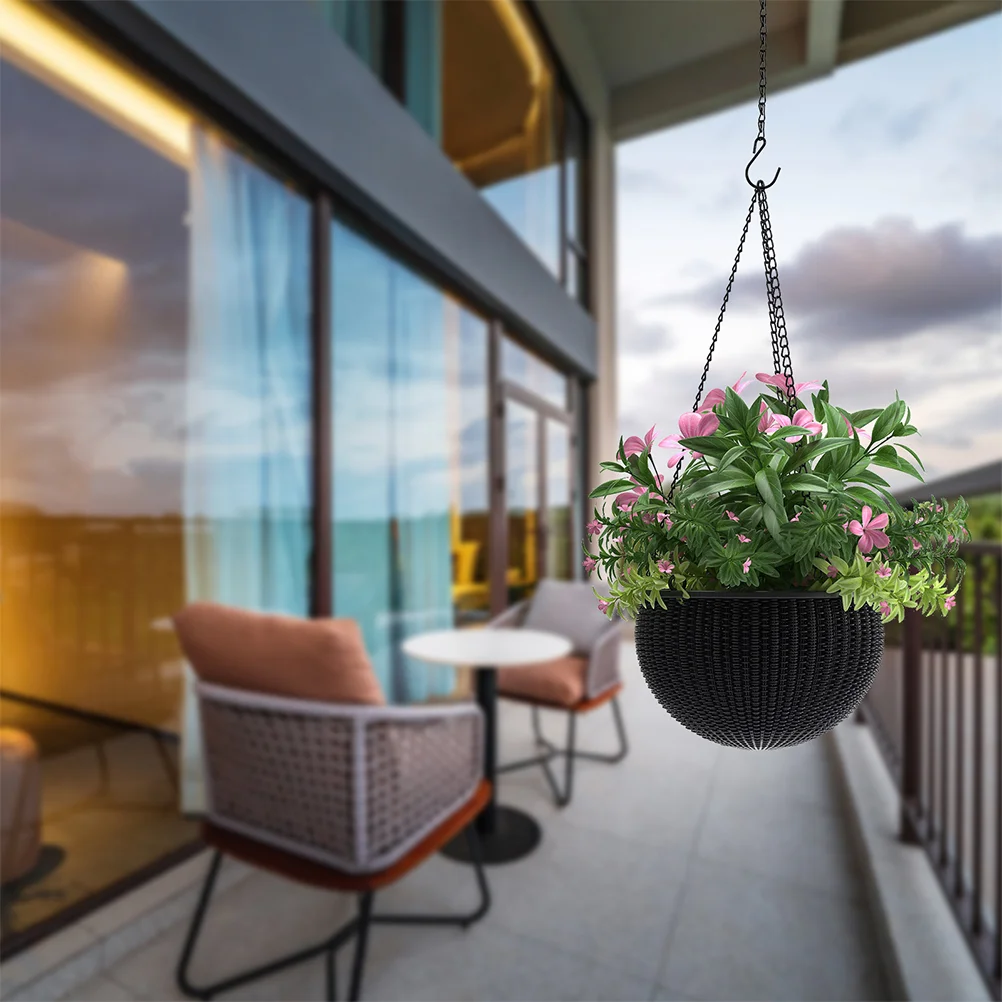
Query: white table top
pixel 490 648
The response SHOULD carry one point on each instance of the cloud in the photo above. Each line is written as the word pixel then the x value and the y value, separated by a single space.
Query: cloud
pixel 643 181
pixel 639 337
pixel 887 281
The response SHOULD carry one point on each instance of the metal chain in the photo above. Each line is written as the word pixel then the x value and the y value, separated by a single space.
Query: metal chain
pixel 777 319
pixel 761 72
pixel 716 330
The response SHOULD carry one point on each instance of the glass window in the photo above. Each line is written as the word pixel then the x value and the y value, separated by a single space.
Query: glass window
pixel 527 370
pixel 360 23
pixel 522 487
pixel 409 374
pixel 499 117
pixel 558 499
pixel 154 435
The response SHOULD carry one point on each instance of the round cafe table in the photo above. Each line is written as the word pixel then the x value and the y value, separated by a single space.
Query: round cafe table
pixel 506 833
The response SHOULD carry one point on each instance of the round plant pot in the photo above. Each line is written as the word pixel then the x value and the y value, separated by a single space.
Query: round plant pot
pixel 758 669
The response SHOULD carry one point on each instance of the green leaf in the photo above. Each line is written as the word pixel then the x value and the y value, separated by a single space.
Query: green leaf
pixel 888 420
pixel 860 419
pixel 913 454
pixel 734 407
pixel 731 456
pixel 767 482
pixel 887 457
pixel 816 449
pixel 806 482
pixel 772 524
pixel 835 422
pixel 714 483
pixel 613 467
pixel 612 487
pixel 709 445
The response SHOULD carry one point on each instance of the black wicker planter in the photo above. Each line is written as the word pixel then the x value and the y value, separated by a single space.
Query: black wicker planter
pixel 758 669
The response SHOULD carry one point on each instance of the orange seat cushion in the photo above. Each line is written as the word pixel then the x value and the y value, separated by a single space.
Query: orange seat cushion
pixel 319 659
pixel 560 682
pixel 305 871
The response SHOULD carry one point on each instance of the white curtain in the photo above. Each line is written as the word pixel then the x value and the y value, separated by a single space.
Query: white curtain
pixel 247 485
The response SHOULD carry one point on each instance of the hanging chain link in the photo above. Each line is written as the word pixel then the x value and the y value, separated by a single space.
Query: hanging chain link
pixel 762 34
pixel 777 319
pixel 782 364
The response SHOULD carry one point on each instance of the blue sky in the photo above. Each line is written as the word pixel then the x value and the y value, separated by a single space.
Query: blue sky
pixel 887 220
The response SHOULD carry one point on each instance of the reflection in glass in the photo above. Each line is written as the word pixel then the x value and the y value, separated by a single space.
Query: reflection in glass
pixel 360 23
pixel 558 499
pixel 499 117
pixel 410 460
pixel 531 372
pixel 154 442
pixel 522 498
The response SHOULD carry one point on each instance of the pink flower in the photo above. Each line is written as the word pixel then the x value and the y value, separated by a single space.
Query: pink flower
pixel 602 605
pixel 883 572
pixel 618 539
pixel 663 519
pixel 592 527
pixel 690 426
pixel 885 609
pixel 647 517
pixel 634 446
pixel 951 601
pixel 939 507
pixel 949 539
pixel 743 539
pixel 732 516
pixel 916 545
pixel 869 531
pixel 802 419
pixel 796 518
pixel 832 571
pixel 589 563
pixel 665 566
pixel 716 397
pixel 629 498
pixel 746 566
pixel 783 382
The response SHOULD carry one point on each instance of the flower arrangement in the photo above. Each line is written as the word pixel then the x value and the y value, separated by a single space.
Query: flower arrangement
pixel 776 496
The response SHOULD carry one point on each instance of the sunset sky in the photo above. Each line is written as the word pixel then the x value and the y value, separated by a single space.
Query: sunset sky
pixel 887 219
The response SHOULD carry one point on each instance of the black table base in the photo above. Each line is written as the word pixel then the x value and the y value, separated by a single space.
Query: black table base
pixel 515 834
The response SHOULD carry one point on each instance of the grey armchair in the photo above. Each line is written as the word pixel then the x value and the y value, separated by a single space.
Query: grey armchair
pixel 583 681
pixel 340 796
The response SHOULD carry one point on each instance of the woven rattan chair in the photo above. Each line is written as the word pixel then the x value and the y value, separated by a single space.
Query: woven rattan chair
pixel 577 684
pixel 344 797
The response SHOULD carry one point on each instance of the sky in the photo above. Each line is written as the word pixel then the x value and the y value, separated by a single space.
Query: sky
pixel 887 222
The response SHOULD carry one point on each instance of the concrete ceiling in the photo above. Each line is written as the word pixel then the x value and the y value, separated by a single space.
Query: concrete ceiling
pixel 655 63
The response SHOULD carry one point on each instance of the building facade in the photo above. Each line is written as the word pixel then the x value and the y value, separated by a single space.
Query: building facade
pixel 300 311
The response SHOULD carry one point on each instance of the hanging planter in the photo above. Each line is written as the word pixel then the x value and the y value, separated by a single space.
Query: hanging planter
pixel 761 577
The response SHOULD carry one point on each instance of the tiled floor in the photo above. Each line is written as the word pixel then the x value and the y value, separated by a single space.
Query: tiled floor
pixel 686 872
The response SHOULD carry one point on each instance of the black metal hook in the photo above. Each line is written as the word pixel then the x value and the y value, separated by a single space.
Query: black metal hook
pixel 758 152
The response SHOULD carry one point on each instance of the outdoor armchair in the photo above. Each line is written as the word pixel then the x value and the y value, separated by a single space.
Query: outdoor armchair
pixel 579 683
pixel 338 796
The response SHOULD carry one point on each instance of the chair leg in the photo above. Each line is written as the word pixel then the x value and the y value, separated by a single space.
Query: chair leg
pixel 473 841
pixel 329 945
pixel 570 752
pixel 563 797
pixel 624 746
pixel 361 942
pixel 331 975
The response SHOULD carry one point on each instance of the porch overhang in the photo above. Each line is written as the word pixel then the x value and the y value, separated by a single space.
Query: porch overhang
pixel 660 64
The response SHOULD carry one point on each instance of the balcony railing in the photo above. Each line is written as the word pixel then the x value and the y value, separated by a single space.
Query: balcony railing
pixel 936 710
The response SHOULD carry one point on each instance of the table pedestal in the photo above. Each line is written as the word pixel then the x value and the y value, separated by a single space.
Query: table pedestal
pixel 506 833
pixel 515 835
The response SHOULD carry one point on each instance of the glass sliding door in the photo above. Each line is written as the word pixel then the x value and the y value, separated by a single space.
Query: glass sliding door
pixel 538 492
pixel 409 370
pixel 154 437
